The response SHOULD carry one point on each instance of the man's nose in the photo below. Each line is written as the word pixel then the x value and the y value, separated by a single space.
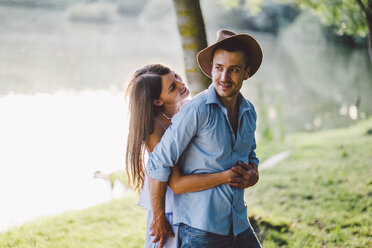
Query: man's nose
pixel 225 76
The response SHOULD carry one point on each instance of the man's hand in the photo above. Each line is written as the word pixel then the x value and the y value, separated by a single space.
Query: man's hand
pixel 160 228
pixel 248 175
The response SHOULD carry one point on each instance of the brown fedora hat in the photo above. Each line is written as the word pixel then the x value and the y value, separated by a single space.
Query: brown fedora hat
pixel 249 44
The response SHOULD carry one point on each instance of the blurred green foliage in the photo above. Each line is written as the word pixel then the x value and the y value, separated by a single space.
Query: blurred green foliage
pixel 346 21
pixel 347 15
pixel 343 21
pixel 258 15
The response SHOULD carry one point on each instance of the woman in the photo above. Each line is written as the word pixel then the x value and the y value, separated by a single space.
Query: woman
pixel 156 94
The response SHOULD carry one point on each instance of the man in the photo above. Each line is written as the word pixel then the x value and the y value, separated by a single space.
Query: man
pixel 212 133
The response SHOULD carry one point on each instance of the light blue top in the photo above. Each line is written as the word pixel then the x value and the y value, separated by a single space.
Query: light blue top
pixel 202 140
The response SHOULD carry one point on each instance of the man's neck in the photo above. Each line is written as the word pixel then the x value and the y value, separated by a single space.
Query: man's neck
pixel 229 103
pixel 232 108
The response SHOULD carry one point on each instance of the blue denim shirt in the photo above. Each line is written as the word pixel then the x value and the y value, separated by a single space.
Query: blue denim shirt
pixel 202 140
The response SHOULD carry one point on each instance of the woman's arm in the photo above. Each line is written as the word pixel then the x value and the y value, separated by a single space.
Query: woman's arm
pixel 189 183
pixel 197 182
pixel 160 226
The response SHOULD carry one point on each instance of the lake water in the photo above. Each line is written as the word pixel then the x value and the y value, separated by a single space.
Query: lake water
pixel 63 113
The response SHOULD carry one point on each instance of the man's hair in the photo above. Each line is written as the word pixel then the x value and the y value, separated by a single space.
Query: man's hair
pixel 233 46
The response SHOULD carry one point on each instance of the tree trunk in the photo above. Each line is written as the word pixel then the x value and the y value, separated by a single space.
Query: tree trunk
pixel 367 9
pixel 369 24
pixel 192 32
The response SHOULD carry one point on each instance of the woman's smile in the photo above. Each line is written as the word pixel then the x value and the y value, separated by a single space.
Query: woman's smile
pixel 184 91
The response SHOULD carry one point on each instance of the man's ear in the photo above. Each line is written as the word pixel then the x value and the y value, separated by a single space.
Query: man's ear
pixel 247 73
pixel 158 102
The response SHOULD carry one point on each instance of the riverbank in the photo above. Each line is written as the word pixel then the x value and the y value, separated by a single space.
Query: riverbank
pixel 318 197
pixel 119 223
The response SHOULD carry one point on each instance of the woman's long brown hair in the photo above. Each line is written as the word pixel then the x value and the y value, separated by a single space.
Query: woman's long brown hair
pixel 143 89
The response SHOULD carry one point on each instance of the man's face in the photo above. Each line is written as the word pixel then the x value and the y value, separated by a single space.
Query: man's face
pixel 228 72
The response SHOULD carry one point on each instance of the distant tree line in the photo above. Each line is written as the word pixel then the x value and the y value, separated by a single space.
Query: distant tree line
pixel 345 22
pixel 351 17
pixel 55 4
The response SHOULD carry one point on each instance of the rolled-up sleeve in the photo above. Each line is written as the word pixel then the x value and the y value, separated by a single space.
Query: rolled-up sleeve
pixel 252 155
pixel 173 143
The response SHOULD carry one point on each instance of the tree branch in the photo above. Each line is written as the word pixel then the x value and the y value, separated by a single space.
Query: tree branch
pixel 361 5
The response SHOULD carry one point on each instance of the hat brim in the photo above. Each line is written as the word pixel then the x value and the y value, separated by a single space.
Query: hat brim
pixel 204 57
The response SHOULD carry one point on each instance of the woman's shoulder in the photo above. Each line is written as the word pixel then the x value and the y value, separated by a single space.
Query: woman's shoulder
pixel 154 138
pixel 152 141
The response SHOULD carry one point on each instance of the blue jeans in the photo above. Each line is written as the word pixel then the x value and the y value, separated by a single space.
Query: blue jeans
pixel 195 238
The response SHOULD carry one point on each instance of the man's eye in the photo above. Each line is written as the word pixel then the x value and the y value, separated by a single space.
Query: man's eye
pixel 235 70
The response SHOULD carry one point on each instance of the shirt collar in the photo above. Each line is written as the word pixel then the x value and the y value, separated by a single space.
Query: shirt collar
pixel 244 105
pixel 212 95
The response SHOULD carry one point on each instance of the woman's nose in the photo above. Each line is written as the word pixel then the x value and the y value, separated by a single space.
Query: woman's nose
pixel 180 83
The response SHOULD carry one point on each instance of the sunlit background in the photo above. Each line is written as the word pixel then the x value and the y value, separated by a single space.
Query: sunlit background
pixel 63 69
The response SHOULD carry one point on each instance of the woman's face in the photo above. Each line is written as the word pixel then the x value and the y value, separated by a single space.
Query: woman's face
pixel 173 89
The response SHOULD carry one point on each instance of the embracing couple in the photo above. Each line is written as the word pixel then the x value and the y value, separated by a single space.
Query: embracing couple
pixel 202 153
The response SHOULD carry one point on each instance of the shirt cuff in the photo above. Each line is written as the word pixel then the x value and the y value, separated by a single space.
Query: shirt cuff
pixel 255 160
pixel 160 174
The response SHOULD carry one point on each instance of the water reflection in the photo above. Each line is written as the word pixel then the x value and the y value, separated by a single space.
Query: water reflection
pixel 51 145
pixel 43 51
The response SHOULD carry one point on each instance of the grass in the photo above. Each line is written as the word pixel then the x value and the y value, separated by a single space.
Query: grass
pixel 322 195
pixel 119 223
pixel 319 197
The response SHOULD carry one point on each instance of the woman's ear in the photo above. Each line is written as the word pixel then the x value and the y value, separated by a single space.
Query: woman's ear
pixel 158 102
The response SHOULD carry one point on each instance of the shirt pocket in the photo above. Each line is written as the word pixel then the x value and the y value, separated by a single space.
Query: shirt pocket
pixel 246 144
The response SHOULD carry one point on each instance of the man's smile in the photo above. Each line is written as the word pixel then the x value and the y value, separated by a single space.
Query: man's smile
pixel 225 85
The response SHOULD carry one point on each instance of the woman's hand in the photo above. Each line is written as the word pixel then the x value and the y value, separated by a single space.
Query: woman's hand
pixel 247 175
pixel 229 174
pixel 160 228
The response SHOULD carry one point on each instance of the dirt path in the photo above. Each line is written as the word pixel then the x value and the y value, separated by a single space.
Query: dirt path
pixel 273 160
